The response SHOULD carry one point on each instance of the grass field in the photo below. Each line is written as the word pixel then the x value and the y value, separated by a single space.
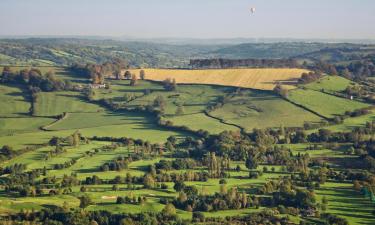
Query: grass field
pixel 141 130
pixel 255 109
pixel 105 118
pixel 351 123
pixel 56 103
pixel 330 84
pixel 13 101
pixel 11 126
pixel 324 104
pixel 194 98
pixel 347 203
pixel 264 79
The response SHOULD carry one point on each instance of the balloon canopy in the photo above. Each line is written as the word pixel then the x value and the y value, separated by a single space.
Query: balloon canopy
pixel 252 10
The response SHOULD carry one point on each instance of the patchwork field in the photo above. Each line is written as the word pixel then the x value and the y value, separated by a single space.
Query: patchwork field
pixel 347 203
pixel 56 103
pixel 13 101
pixel 264 79
pixel 254 109
pixel 88 120
pixel 330 84
pixel 324 104
pixel 11 126
pixel 211 100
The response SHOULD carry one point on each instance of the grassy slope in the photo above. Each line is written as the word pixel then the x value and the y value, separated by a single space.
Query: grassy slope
pixel 330 84
pixel 262 110
pixel 55 103
pixel 11 126
pixel 351 123
pixel 345 202
pixel 195 99
pixel 13 102
pixel 324 104
pixel 88 120
pixel 144 131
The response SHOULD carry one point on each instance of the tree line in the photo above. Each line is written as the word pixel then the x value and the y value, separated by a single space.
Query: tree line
pixel 219 63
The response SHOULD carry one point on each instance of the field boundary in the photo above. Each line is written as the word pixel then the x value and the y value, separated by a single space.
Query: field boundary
pixel 307 109
pixel 45 128
pixel 223 121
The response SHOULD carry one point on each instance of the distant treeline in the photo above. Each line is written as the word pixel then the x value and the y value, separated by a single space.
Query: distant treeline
pixel 241 63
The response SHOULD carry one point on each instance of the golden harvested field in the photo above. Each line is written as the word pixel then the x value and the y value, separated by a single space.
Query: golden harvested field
pixel 264 79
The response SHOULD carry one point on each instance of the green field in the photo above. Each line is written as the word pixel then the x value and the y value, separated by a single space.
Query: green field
pixel 56 103
pixel 324 104
pixel 330 84
pixel 11 126
pixel 347 203
pixel 262 110
pixel 205 107
pixel 88 120
pixel 13 101
pixel 352 123
pixel 194 98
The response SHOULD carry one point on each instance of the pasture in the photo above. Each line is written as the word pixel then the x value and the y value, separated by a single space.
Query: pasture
pixel 330 84
pixel 14 102
pixel 324 104
pixel 255 109
pixel 56 103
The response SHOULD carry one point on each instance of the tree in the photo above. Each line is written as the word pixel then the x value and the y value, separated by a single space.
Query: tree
pixel 115 187
pixel 148 181
pixel 142 74
pixel 198 217
pixel 128 75
pixel 76 137
pixel 6 75
pixel 251 162
pixel 180 110
pixel 169 210
pixel 118 74
pixel 84 201
pixel 133 81
pixel 160 102
pixel 170 84
pixel 90 94
pixel 179 185
pixel 280 90
pixel 93 222
pixel 223 189
pixel 356 185
pixel 127 221
pixel 214 168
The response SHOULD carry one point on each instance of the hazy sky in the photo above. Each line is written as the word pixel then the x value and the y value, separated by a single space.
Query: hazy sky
pixel 190 18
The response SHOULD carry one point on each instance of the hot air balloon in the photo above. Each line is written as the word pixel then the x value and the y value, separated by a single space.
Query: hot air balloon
pixel 252 10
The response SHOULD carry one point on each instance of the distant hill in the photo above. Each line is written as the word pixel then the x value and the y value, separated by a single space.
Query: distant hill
pixel 343 53
pixel 67 51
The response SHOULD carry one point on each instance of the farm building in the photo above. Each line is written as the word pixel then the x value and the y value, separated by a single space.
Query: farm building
pixel 97 86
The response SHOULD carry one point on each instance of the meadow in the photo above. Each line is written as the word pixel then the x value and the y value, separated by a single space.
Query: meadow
pixel 255 109
pixel 13 101
pixel 56 103
pixel 330 84
pixel 323 104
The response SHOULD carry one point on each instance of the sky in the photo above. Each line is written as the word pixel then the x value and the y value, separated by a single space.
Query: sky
pixel 329 19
